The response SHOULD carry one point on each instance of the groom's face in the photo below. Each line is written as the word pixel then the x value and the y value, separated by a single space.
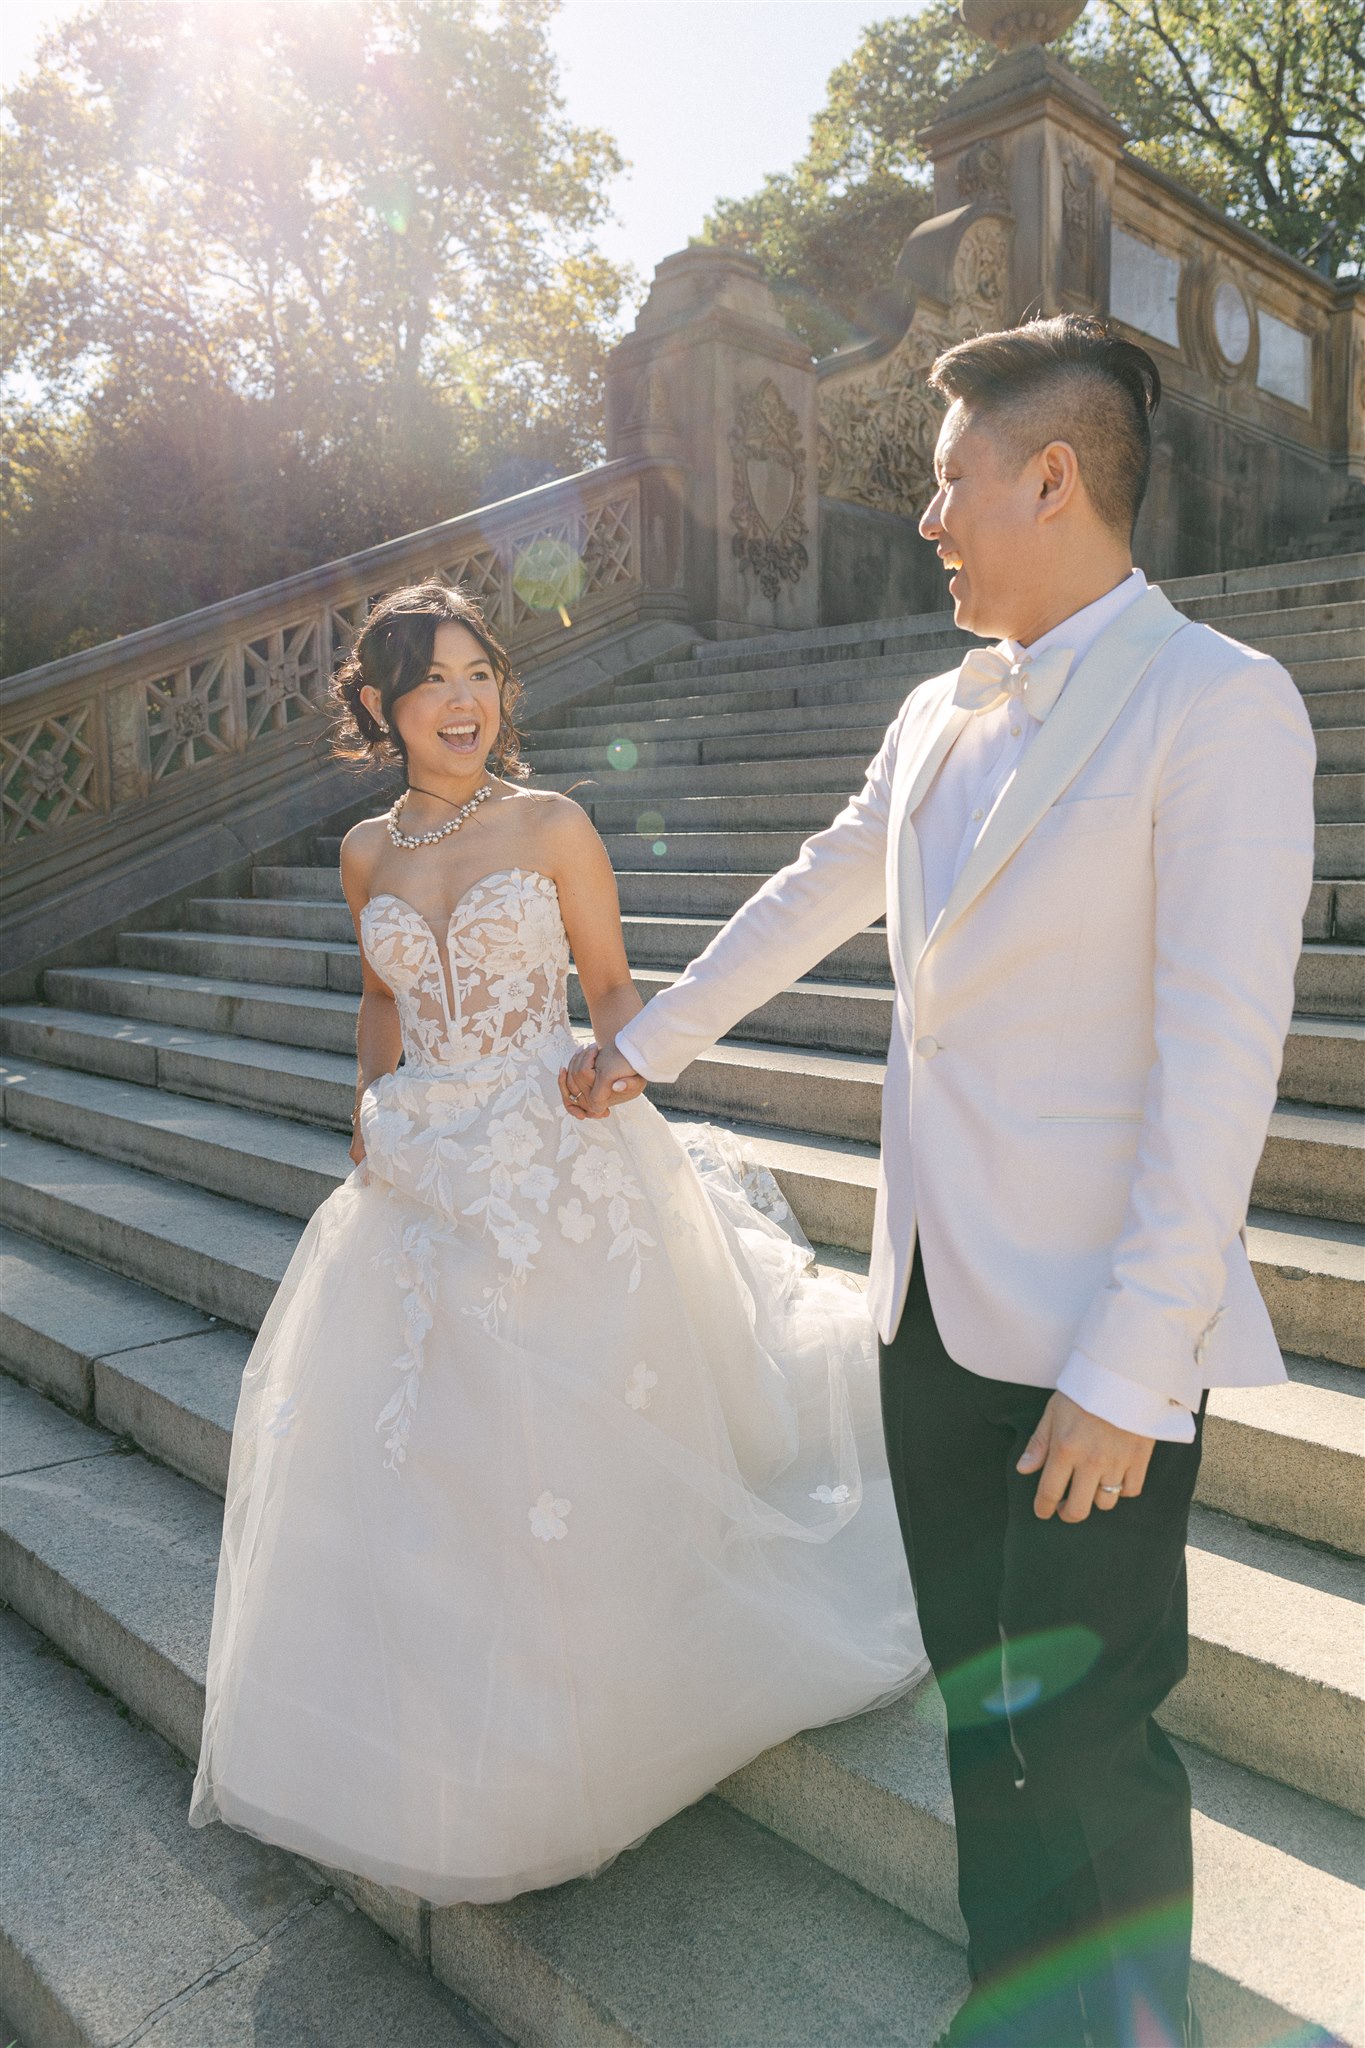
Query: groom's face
pixel 983 522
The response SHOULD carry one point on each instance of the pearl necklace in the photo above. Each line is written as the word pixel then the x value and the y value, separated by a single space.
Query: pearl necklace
pixel 442 831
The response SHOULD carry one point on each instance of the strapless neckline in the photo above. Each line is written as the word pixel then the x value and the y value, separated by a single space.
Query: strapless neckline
pixel 481 882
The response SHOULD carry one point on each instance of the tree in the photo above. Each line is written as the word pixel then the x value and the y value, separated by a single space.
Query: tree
pixel 1255 104
pixel 284 279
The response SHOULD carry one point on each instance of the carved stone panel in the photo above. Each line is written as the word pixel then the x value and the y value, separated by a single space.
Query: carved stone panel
pixel 47 773
pixel 878 427
pixel 768 488
pixel 981 173
pixel 1077 255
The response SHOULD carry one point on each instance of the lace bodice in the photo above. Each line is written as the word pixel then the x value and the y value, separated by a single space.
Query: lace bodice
pixel 502 985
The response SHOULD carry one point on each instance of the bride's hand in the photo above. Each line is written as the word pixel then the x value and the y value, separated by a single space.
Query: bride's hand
pixel 576 1080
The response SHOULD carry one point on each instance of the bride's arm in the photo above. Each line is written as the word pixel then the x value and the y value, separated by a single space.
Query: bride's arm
pixel 378 1035
pixel 578 862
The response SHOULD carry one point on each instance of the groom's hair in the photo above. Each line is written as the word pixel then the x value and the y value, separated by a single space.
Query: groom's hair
pixel 1072 378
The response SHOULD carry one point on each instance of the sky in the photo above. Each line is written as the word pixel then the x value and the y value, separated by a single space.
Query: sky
pixel 704 97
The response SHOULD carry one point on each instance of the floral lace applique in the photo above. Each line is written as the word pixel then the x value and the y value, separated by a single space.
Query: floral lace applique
pixel 547 1519
pixel 575 1222
pixel 638 1390
pixel 412 1257
pixel 832 1496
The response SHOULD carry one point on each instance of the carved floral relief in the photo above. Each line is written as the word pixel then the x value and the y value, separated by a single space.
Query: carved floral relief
pixel 878 428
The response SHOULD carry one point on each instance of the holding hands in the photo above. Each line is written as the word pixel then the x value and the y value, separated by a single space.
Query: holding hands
pixel 597 1080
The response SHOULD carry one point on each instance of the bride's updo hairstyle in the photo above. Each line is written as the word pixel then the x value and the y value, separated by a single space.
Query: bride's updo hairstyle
pixel 392 653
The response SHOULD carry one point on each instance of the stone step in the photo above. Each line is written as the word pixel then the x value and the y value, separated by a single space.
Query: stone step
pixel 184 1937
pixel 1340 678
pixel 1340 748
pixel 591 724
pixel 698 745
pixel 1291 647
pixel 1319 597
pixel 871 1797
pixel 770 792
pixel 231 1253
pixel 321 881
pixel 258 1159
pixel 221 1256
pixel 1330 980
pixel 1311 1274
pixel 749 657
pixel 1276 578
pixel 841 769
pixel 1311 1163
pixel 1329 709
pixel 113 1559
pixel 829 694
pixel 1339 855
pixel 1337 909
pixel 1324 1062
pixel 1329 672
pixel 151 1369
pixel 253 987
pixel 1339 795
pixel 311 1019
pixel 143 1366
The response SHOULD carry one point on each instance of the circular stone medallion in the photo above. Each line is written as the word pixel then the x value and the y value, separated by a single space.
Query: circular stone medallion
pixel 1231 323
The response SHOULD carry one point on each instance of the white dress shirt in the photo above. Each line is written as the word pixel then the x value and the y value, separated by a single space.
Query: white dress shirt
pixel 947 823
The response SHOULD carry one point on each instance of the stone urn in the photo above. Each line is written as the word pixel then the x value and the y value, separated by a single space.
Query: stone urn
pixel 1009 24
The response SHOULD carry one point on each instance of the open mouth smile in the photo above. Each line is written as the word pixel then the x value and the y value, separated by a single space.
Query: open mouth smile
pixel 461 737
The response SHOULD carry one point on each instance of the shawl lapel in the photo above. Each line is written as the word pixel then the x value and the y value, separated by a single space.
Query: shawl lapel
pixel 1087 708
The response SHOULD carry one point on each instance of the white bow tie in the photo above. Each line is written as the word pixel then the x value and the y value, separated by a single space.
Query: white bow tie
pixel 987 678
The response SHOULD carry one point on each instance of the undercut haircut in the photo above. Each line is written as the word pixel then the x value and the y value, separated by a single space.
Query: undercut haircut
pixel 1071 378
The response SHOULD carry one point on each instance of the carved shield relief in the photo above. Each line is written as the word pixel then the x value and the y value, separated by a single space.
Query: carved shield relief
pixel 769 482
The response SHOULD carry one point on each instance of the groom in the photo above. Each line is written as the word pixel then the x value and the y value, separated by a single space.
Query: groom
pixel 1093 843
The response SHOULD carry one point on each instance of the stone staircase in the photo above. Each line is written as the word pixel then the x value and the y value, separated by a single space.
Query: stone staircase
pixel 170 1120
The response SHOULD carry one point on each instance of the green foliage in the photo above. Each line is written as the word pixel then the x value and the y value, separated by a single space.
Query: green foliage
pixel 1259 105
pixel 1255 104
pixel 284 279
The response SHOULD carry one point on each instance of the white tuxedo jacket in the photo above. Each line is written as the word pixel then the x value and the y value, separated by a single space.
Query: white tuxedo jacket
pixel 1085 1048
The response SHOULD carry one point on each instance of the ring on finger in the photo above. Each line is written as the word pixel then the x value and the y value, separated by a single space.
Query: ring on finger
pixel 1110 1489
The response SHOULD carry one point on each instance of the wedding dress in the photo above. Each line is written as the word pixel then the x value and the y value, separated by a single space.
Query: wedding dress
pixel 557 1489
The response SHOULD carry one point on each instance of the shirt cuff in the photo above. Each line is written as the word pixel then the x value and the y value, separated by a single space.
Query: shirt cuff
pixel 1123 1402
pixel 628 1051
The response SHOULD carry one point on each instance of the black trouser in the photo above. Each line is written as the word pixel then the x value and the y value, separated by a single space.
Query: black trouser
pixel 1073 1809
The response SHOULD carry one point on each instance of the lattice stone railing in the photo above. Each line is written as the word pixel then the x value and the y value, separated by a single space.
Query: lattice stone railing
pixel 136 718
pixel 126 748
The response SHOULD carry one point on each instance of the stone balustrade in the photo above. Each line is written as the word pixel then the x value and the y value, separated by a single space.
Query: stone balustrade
pixel 156 749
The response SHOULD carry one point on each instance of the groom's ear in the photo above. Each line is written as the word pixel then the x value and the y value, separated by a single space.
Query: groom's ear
pixel 1071 378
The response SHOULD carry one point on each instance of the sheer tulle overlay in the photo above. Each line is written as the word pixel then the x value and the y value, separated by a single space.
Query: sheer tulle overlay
pixel 557 1488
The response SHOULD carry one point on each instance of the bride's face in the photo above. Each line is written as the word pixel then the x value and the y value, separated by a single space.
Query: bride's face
pixel 449 721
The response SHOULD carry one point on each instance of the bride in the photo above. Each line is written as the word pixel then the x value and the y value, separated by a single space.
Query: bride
pixel 557 1490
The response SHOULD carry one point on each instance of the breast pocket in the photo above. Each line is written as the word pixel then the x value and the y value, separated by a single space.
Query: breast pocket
pixel 1078 815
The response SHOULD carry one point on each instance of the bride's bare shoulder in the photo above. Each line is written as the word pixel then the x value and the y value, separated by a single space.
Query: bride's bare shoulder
pixel 360 848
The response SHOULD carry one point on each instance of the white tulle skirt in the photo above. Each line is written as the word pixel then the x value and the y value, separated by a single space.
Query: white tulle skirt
pixel 542 1519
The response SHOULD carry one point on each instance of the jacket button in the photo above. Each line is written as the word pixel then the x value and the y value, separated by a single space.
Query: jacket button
pixel 926 1047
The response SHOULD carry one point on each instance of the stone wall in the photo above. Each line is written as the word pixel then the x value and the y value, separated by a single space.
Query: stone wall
pixel 1042 209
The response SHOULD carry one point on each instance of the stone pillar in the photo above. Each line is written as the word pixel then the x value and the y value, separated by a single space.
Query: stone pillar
pixel 713 381
pixel 1030 134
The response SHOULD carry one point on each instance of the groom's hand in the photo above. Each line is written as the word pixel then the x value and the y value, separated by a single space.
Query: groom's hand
pixel 596 1082
pixel 614 1082
pixel 1085 1462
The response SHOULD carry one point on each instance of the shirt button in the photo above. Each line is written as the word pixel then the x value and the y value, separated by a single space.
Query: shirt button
pixel 1014 732
pixel 926 1047
pixel 976 815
